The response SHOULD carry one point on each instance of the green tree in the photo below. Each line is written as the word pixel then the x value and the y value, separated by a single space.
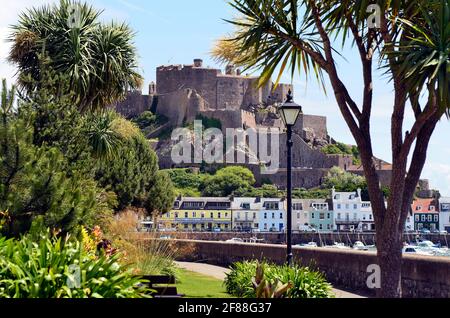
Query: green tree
pixel 131 172
pixel 411 42
pixel 36 185
pixel 227 181
pixel 161 195
pixel 99 59
pixel 343 181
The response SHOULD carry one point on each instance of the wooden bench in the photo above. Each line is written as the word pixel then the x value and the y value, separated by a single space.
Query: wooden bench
pixel 160 288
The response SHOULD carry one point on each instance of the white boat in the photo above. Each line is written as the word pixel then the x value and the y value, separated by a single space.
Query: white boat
pixel 341 246
pixel 412 249
pixel 235 240
pixel 310 244
pixel 360 246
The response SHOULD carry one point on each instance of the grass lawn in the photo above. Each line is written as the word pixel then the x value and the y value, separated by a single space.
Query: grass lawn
pixel 194 285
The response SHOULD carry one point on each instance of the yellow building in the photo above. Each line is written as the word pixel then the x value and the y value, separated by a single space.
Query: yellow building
pixel 198 214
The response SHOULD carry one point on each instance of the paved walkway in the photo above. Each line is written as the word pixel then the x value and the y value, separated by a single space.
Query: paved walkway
pixel 219 273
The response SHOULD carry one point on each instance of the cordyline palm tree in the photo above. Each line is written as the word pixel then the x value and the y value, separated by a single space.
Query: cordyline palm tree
pixel 411 41
pixel 99 59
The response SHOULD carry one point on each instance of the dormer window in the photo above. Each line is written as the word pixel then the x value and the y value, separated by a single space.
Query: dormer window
pixel 431 208
pixel 419 208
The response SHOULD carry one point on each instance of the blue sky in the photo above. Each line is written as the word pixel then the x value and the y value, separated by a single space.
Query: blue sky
pixel 177 31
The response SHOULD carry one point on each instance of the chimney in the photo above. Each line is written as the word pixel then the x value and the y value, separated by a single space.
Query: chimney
pixel 230 70
pixel 198 63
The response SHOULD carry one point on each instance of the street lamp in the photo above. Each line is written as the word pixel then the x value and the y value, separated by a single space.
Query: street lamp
pixel 289 113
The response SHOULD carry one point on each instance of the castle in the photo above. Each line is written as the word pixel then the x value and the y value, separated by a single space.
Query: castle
pixel 184 92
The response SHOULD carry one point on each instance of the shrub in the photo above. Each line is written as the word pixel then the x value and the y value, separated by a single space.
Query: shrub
pixel 44 269
pixel 148 257
pixel 306 283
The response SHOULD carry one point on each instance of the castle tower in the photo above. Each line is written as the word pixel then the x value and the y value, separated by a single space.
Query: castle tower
pixel 198 63
pixel 152 88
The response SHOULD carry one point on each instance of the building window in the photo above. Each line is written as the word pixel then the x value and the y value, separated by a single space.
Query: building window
pixel 347 206
pixel 328 216
pixel 211 215
pixel 355 216
pixel 194 214
pixel 322 216
pixel 298 215
pixel 254 215
pixel 370 216
pixel 431 208
pixel 176 215
pixel 203 215
pixel 273 215
pixel 219 215
pixel 226 214
pixel 281 215
pixel 417 217
pixel 430 218
pixel 355 206
pixel 265 226
pixel 338 206
pixel 424 218
pixel 238 215
pixel 312 215
pixel 186 215
pixel 436 218
pixel 265 215
pixel 328 227
pixel 320 227
pixel 185 226
pixel 338 216
pixel 419 208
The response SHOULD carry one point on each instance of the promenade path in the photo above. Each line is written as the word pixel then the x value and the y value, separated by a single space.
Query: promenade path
pixel 219 273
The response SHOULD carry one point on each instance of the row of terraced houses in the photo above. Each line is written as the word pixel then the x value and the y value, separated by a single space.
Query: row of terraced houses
pixel 345 211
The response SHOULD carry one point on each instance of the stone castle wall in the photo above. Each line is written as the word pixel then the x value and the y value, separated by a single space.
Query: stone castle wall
pixel 134 105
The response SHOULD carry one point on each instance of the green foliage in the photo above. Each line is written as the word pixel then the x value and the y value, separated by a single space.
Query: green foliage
pixel 343 149
pixel 311 194
pixel 269 289
pixel 38 182
pixel 209 122
pixel 305 283
pixel 161 194
pixel 343 181
pixel 147 121
pixel 131 173
pixel 266 191
pixel 185 178
pixel 101 135
pixel 47 268
pixel 229 180
pixel 99 59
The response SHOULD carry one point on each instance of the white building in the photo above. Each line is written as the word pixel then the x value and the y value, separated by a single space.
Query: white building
pixel 444 214
pixel 351 213
pixel 271 216
pixel 300 215
pixel 245 213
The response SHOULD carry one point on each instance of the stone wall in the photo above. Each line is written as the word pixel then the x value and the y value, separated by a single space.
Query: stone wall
pixel 134 105
pixel 421 277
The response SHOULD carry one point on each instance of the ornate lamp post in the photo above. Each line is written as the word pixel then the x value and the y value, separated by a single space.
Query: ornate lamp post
pixel 289 113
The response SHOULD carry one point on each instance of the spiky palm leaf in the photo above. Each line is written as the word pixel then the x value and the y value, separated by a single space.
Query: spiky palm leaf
pixel 100 59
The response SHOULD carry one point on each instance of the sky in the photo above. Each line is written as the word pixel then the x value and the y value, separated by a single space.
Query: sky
pixel 177 31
